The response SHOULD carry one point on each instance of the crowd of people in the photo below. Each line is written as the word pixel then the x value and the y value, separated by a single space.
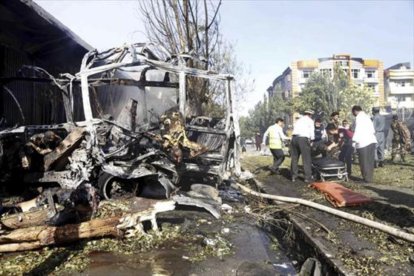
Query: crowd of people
pixel 310 139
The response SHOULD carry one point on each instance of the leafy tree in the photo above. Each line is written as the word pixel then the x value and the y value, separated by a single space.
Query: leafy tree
pixel 246 130
pixel 263 115
pixel 224 60
pixel 318 94
pixel 355 95
pixel 321 93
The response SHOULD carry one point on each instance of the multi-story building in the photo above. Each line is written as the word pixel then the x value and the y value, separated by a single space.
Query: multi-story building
pixel 361 71
pixel 399 85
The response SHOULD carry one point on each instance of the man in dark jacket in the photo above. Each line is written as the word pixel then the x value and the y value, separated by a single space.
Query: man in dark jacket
pixel 318 145
pixel 379 126
pixel 320 133
pixel 258 141
pixel 344 144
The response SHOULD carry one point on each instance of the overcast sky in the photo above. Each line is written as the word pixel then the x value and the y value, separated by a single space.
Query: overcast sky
pixel 268 34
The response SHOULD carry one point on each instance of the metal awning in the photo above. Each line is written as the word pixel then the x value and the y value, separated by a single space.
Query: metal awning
pixel 27 27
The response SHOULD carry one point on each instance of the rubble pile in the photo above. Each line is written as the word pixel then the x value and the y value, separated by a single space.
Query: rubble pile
pixel 104 165
pixel 65 174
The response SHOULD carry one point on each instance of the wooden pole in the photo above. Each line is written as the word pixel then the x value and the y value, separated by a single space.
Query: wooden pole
pixel 39 236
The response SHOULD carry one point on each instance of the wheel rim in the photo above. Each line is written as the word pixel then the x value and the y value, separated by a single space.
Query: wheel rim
pixel 113 188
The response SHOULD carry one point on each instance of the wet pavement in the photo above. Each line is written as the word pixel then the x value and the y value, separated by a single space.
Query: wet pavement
pixel 162 262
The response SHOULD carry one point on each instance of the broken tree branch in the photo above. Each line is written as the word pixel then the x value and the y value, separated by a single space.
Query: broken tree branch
pixel 130 223
pixel 37 237
pixel 379 226
pixel 26 219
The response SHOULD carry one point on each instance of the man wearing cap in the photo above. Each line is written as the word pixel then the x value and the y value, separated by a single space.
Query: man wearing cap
pixel 379 126
pixel 302 135
pixel 364 139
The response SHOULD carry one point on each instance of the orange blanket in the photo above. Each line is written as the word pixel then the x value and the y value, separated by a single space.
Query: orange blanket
pixel 338 195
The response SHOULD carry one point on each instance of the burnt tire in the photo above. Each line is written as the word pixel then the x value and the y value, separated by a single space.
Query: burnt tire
pixel 112 187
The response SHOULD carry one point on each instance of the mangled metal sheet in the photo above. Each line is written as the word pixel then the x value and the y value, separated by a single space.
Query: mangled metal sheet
pixel 209 205
pixel 136 136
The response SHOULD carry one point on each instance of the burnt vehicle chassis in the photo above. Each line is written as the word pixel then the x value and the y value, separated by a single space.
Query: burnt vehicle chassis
pixel 128 154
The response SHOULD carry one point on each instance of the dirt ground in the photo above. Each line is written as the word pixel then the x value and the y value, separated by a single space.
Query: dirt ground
pixel 359 249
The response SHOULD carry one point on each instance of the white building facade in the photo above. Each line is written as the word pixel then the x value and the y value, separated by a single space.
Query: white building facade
pixel 367 72
pixel 399 86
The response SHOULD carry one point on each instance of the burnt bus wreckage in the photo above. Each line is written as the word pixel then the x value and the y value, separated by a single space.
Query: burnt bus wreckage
pixel 136 137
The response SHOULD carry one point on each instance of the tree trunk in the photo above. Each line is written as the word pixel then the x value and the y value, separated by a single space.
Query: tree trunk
pixel 26 219
pixel 39 236
pixel 142 209
pixel 15 247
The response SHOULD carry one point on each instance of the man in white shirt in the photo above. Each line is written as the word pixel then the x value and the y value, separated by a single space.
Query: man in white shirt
pixel 364 139
pixel 302 135
pixel 275 136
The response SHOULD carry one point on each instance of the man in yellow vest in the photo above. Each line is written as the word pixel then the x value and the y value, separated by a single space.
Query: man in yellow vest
pixel 274 134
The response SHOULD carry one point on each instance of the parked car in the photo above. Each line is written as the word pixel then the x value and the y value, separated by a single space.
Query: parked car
pixel 249 142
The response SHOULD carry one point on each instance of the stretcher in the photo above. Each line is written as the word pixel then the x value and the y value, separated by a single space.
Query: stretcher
pixel 339 196
pixel 326 167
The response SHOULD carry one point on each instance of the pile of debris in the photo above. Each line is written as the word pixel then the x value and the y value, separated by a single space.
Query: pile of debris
pixel 151 162
pixel 109 163
pixel 72 218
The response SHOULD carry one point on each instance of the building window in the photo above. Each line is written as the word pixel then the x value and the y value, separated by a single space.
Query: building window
pixel 355 73
pixel 370 74
pixel 343 63
pixel 306 73
pixel 400 98
pixel 327 72
pixel 402 83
